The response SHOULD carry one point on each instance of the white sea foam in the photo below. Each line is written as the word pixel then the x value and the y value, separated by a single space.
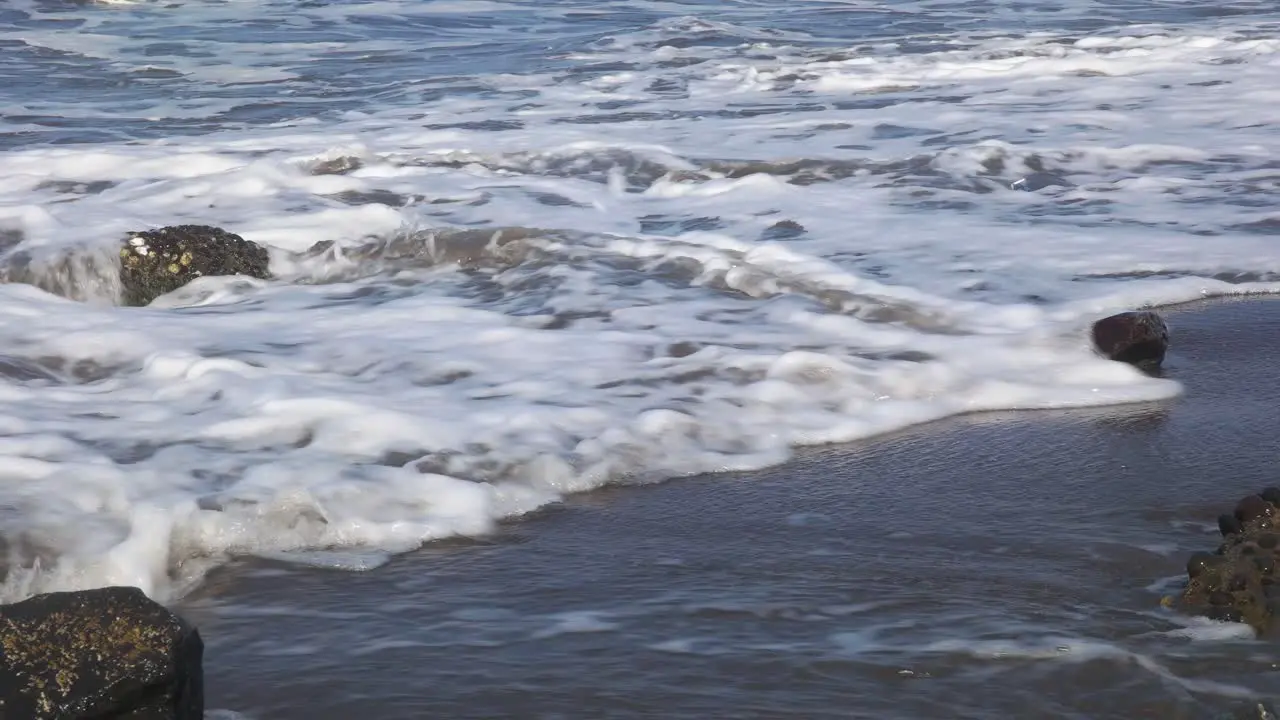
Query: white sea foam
pixel 1205 630
pixel 584 621
pixel 1077 650
pixel 724 240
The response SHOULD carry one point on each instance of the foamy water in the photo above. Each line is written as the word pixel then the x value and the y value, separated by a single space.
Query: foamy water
pixel 574 245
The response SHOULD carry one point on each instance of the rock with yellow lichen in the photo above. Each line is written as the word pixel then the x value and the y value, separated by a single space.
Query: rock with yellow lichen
pixel 156 262
pixel 1240 581
pixel 102 654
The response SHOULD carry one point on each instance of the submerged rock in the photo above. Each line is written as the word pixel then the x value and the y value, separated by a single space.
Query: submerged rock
pixel 156 262
pixel 1039 181
pixel 1240 581
pixel 337 166
pixel 1138 337
pixel 107 653
pixel 783 230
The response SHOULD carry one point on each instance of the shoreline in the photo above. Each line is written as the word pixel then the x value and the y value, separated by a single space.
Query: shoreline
pixel 929 549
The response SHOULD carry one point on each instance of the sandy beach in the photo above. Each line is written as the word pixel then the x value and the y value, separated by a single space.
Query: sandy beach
pixel 988 566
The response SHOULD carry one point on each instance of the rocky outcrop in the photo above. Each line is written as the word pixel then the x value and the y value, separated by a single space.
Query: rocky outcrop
pixel 1139 338
pixel 101 654
pixel 1240 581
pixel 156 262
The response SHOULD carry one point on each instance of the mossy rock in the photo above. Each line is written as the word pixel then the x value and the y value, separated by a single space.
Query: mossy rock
pixel 107 653
pixel 156 262
pixel 1240 581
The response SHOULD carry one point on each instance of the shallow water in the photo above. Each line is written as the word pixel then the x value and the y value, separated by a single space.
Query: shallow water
pixel 576 244
pixel 989 566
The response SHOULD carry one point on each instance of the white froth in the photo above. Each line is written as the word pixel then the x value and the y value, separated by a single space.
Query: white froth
pixel 735 247
pixel 678 646
pixel 1079 650
pixel 1205 630
pixel 584 621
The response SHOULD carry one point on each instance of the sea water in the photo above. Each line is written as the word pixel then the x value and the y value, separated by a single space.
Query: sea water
pixel 526 249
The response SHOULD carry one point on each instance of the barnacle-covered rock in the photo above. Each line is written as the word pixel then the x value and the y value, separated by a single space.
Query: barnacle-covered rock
pixel 106 653
pixel 1240 581
pixel 155 262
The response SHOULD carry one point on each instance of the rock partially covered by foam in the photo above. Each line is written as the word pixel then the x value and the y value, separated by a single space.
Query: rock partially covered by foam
pixel 156 262
pixel 1240 581
pixel 107 653
pixel 1138 337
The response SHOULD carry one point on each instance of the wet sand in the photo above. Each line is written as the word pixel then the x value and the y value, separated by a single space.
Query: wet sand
pixel 1003 565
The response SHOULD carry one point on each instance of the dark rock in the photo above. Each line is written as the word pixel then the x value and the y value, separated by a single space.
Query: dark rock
pixel 1266 565
pixel 1229 525
pixel 1138 338
pixel 102 654
pixel 1237 581
pixel 156 262
pixel 1202 562
pixel 1253 508
pixel 783 230
pixel 1223 613
pixel 320 248
pixel 684 348
pixel 1271 495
